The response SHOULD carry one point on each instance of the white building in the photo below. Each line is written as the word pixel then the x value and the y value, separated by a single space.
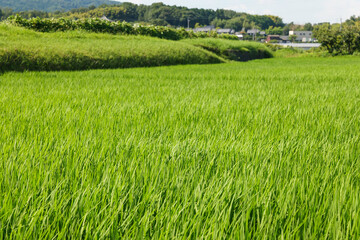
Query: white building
pixel 205 29
pixel 225 31
pixel 253 32
pixel 303 36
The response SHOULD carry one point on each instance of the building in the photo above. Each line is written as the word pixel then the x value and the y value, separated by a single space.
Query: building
pixel 253 32
pixel 225 31
pixel 205 29
pixel 239 35
pixel 106 19
pixel 302 36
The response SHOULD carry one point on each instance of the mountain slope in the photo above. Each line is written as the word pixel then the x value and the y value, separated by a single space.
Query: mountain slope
pixel 50 5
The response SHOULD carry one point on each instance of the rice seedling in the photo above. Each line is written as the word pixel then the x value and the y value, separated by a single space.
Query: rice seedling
pixel 257 150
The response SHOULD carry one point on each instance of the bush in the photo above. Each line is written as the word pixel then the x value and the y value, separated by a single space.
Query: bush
pixel 339 41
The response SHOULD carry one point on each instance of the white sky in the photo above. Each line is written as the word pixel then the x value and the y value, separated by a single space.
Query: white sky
pixel 313 11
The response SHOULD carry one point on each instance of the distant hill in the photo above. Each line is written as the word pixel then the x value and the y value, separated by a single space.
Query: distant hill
pixel 158 14
pixel 50 5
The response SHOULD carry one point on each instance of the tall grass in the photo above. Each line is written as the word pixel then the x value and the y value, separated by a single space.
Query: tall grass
pixel 264 149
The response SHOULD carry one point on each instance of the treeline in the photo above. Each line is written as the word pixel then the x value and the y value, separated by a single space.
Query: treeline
pixel 102 26
pixel 160 14
pixel 50 5
pixel 340 38
pixel 7 12
pixel 163 15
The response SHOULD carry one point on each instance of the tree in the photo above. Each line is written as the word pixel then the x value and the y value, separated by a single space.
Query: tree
pixel 288 28
pixel 308 27
pixel 235 23
pixel 292 38
pixel 329 37
pixel 350 37
pixel 274 30
pixel 50 5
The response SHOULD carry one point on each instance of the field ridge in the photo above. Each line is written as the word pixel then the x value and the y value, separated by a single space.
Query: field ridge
pixel 22 49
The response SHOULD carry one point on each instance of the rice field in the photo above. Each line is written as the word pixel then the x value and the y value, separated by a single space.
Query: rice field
pixel 267 149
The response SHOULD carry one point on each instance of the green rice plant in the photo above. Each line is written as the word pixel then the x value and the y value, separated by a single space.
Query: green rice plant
pixel 266 149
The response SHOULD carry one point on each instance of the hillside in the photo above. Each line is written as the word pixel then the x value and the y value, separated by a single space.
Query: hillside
pixel 50 5
pixel 22 49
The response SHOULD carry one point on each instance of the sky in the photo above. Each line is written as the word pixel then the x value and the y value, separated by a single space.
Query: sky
pixel 297 11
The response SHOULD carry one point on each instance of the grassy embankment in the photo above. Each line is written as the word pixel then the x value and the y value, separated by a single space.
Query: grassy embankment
pixel 232 50
pixel 265 149
pixel 22 49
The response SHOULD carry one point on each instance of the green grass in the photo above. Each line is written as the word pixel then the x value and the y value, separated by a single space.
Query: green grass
pixel 233 50
pixel 264 149
pixel 22 49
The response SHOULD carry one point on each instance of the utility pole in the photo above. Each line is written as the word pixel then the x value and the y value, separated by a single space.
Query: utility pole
pixel 188 21
pixel 340 24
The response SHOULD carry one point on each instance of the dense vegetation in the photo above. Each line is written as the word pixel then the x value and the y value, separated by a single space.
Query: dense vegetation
pixel 163 15
pixel 338 39
pixel 103 26
pixel 265 150
pixel 50 5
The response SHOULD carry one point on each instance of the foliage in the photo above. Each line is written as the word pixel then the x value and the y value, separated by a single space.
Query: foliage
pixel 259 150
pixel 308 27
pixel 297 27
pixel 273 47
pixel 274 30
pixel 339 41
pixel 292 38
pixel 247 21
pixel 50 5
